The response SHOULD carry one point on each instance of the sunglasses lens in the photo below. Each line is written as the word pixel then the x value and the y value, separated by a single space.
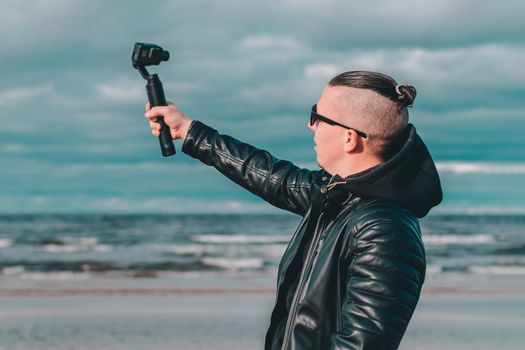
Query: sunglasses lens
pixel 313 115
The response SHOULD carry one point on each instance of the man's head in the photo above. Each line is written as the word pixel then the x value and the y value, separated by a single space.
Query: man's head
pixel 370 102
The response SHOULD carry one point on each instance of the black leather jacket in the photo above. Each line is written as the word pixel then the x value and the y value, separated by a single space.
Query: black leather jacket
pixel 354 268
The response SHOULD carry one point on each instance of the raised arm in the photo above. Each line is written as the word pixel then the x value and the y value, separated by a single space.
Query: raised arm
pixel 279 182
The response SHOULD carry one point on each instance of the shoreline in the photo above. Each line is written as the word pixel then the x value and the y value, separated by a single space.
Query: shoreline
pixel 240 283
pixel 58 292
pixel 118 292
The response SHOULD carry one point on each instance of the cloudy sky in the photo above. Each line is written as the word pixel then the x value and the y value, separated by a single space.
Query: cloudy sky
pixel 73 137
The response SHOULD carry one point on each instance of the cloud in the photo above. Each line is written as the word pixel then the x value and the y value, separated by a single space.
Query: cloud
pixel 21 94
pixel 124 91
pixel 337 25
pixel 489 66
pixel 276 126
pixel 482 67
pixel 444 77
pixel 323 71
pixel 13 148
pixel 266 42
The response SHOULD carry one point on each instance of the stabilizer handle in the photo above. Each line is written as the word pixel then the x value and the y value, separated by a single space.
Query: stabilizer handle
pixel 156 98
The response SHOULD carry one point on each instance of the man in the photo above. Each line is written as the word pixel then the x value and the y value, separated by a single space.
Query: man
pixel 352 273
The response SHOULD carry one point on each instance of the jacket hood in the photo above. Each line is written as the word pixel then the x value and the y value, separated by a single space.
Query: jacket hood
pixel 409 178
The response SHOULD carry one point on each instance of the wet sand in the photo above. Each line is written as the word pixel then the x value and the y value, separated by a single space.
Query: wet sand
pixel 485 313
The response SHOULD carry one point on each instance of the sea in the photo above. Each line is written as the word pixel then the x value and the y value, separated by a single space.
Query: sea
pixel 72 247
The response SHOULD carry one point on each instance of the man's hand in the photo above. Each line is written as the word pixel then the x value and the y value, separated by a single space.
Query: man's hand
pixel 175 119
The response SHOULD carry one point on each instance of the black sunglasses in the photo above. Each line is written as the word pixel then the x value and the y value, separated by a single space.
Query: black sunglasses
pixel 314 117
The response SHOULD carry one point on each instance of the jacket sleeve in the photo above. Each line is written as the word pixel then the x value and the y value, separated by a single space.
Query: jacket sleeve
pixel 383 284
pixel 279 182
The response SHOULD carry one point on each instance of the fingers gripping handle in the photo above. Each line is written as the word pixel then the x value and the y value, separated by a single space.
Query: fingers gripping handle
pixel 165 140
pixel 156 98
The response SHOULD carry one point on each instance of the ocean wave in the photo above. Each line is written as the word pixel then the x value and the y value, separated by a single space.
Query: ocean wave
pixel 451 209
pixel 449 239
pixel 102 248
pixel 21 273
pixel 55 276
pixel 57 248
pixel 481 167
pixel 498 270
pixel 12 270
pixel 181 249
pixel 138 269
pixel 5 242
pixel 434 269
pixel 242 239
pixel 67 240
pixel 234 264
pixel 274 251
pixel 82 241
pixel 67 244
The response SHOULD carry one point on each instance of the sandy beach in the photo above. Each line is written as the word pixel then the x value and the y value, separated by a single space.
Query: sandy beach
pixel 186 312
pixel 199 282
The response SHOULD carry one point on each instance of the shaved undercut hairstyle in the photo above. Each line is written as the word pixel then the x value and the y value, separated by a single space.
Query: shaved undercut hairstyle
pixel 389 119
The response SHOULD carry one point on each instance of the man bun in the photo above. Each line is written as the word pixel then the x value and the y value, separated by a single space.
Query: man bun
pixel 406 95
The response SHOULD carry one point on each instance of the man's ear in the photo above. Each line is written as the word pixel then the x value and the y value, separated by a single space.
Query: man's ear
pixel 351 141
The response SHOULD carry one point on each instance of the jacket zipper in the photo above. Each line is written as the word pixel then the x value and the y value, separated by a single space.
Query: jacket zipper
pixel 307 283
pixel 295 304
pixel 296 299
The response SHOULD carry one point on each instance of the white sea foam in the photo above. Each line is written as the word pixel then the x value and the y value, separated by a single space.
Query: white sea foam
pixel 452 209
pixel 274 250
pixel 234 264
pixel 12 270
pixel 81 241
pixel 58 248
pixel 102 248
pixel 179 249
pixel 497 270
pixel 449 239
pixel 5 242
pixel 434 269
pixel 240 239
pixel 55 276
pixel 77 244
pixel 481 167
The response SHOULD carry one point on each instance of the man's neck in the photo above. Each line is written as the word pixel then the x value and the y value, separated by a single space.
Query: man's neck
pixel 353 168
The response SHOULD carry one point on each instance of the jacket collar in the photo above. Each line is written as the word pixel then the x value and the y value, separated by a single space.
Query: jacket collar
pixel 409 178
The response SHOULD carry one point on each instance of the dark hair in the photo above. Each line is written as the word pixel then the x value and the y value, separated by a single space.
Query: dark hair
pixel 402 95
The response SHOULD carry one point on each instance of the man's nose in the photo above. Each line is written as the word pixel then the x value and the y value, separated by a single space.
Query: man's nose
pixel 311 127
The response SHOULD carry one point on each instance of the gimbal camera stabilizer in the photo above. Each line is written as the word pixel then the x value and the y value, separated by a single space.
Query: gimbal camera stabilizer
pixel 147 55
